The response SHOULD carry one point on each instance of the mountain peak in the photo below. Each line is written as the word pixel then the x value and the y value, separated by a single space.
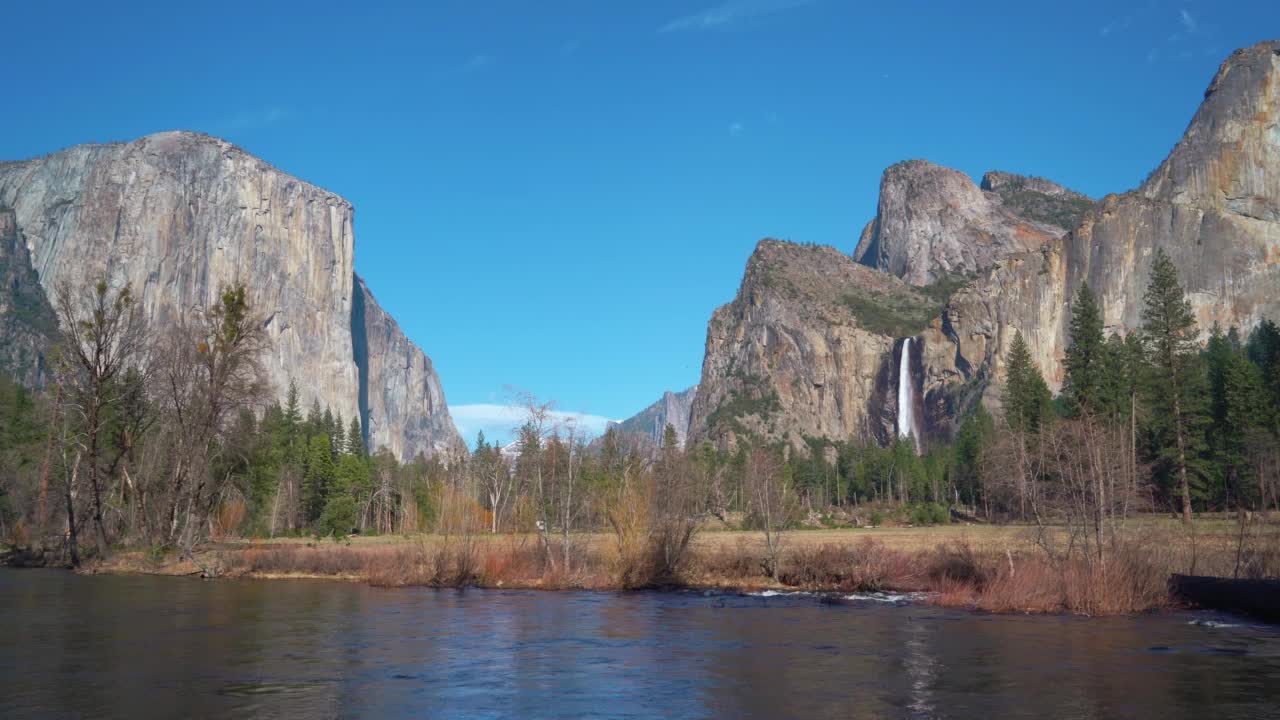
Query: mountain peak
pixel 933 221
pixel 1227 158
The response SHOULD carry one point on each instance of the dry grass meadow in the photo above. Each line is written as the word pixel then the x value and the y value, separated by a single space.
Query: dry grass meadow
pixel 1000 568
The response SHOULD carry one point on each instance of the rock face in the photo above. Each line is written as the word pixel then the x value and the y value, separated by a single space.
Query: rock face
pixel 933 222
pixel 178 215
pixel 401 402
pixel 674 409
pixel 1038 199
pixel 1227 159
pixel 1213 205
pixel 806 349
pixel 809 345
pixel 28 325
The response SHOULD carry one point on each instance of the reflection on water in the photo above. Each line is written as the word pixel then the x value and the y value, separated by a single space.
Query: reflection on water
pixel 165 647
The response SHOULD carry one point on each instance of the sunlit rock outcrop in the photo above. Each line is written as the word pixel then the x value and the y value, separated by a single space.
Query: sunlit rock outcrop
pixel 177 216
pixel 807 347
pixel 934 222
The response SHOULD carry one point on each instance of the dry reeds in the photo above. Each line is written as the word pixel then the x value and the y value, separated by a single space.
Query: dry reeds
pixel 1126 582
pixel 1130 577
pixel 301 560
pixel 868 566
pixel 727 565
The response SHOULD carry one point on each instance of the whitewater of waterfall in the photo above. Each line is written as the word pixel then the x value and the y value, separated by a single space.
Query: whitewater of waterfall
pixel 906 402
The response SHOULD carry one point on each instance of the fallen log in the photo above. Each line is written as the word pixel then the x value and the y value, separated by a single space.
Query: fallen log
pixel 1256 598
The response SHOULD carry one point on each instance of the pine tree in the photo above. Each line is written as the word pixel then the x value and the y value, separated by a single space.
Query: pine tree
pixel 668 470
pixel 1085 354
pixel 315 421
pixel 670 440
pixel 292 413
pixel 975 435
pixel 1027 397
pixel 1236 402
pixel 1113 398
pixel 351 480
pixel 355 439
pixel 1169 330
pixel 1135 367
pixel 338 442
pixel 318 477
pixel 327 424
pixel 1264 352
pixel 1027 409
pixel 1124 366
pixel 291 428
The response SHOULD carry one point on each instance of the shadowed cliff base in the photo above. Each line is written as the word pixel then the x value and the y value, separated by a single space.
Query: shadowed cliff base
pixel 360 355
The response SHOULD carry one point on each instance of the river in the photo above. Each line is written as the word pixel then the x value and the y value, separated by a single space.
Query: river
pixel 134 646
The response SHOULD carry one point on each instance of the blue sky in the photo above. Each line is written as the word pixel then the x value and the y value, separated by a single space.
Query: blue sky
pixel 555 196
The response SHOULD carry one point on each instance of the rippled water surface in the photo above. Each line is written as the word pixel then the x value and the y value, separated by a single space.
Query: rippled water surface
pixel 164 647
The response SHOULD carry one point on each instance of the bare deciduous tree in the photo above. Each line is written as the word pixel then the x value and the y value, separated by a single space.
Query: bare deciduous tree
pixel 567 475
pixel 772 501
pixel 675 502
pixel 103 337
pixel 494 477
pixel 538 424
pixel 210 369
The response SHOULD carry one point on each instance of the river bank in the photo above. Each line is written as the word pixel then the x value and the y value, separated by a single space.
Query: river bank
pixel 989 568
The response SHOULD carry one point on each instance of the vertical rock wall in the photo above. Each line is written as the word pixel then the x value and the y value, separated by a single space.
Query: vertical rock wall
pixel 179 215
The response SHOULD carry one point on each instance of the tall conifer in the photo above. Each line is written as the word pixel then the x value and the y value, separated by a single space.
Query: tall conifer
pixel 1027 396
pixel 1085 359
pixel 1169 330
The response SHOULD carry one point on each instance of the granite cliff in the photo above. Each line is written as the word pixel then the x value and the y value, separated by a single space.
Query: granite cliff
pixel 400 392
pixel 1213 205
pixel 934 222
pixel 808 348
pixel 177 215
pixel 673 409
pixel 28 325
pixel 812 342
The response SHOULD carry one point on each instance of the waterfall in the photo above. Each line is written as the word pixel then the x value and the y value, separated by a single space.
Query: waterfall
pixel 906 401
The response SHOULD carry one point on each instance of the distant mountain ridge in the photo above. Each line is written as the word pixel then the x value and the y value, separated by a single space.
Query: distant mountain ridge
pixel 675 408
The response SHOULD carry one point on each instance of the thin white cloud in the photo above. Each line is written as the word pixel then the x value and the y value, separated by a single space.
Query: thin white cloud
pixel 1187 20
pixel 1116 25
pixel 729 13
pixel 500 422
pixel 252 119
pixel 478 61
pixel 736 128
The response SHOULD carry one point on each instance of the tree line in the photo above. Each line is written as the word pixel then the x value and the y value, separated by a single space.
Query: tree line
pixel 165 437
pixel 162 436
